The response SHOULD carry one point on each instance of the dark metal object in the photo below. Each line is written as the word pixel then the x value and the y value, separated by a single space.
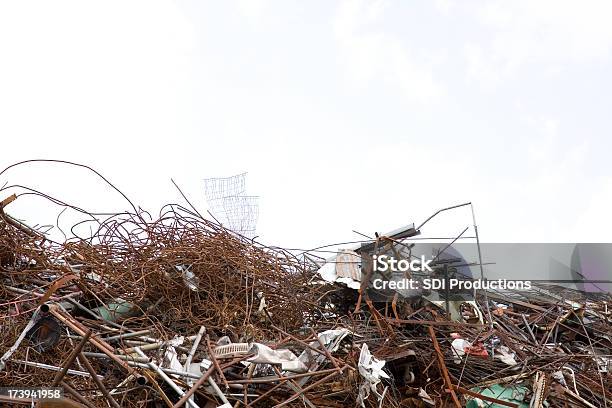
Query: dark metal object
pixel 45 334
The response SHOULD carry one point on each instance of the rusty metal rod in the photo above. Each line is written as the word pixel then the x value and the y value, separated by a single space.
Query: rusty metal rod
pixel 311 386
pixel 73 355
pixel 215 362
pixel 101 386
pixel 77 395
pixel 267 380
pixel 100 344
pixel 484 397
pixel 302 343
pixel 443 368
pixel 193 389
pixel 167 379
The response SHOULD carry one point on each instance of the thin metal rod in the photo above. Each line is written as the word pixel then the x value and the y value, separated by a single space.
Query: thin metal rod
pixel 194 348
pixel 321 381
pixel 185 398
pixel 482 277
pixel 167 379
pixel 50 367
pixel 101 386
pixel 442 210
pixel 130 358
pixel 100 344
pixel 127 335
pixel 73 355
pixel 77 395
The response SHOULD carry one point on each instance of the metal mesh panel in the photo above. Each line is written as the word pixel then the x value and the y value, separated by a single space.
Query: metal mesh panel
pixel 221 187
pixel 228 203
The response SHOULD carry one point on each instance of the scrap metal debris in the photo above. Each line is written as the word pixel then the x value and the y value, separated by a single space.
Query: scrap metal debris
pixel 179 311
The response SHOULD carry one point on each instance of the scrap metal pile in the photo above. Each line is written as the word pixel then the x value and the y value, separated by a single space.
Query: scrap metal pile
pixel 179 311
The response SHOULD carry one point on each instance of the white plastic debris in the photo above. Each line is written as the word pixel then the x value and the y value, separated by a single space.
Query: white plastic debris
pixel 171 356
pixel 189 278
pixel 459 346
pixel 331 339
pixel 286 358
pixel 506 356
pixel 425 397
pixel 371 369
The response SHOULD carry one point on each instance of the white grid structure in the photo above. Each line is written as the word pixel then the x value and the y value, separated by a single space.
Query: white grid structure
pixel 228 203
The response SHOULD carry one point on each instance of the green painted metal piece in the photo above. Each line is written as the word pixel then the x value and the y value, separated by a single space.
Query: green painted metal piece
pixel 117 310
pixel 514 394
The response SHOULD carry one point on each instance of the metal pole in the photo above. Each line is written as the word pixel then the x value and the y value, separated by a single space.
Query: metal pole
pixel 481 268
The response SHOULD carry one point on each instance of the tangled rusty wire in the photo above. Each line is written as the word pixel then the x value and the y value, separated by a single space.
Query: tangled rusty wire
pixel 177 272
pixel 180 262
pixel 139 284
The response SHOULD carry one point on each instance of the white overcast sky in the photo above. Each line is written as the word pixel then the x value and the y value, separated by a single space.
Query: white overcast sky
pixel 361 115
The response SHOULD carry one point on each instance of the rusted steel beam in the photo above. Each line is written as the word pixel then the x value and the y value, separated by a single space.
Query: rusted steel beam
pixel 443 368
pixel 20 226
pixel 12 400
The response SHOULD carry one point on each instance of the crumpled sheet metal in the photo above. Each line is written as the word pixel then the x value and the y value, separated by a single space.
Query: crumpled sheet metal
pixel 343 268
